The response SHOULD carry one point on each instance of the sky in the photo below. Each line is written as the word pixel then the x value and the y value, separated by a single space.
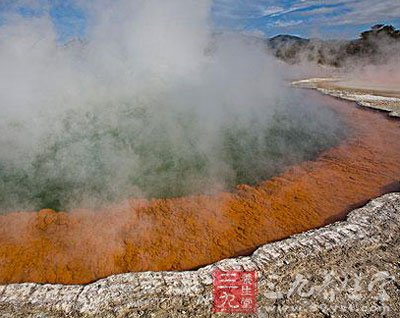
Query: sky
pixel 306 18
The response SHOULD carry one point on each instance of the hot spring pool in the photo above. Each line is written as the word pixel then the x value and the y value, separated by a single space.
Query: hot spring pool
pixel 185 232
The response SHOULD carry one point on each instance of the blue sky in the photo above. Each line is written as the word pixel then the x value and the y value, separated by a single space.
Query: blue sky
pixel 309 18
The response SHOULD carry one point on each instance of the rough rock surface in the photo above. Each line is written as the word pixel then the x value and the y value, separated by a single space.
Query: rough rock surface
pixel 346 269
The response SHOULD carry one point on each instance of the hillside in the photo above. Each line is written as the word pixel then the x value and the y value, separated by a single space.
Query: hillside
pixel 372 47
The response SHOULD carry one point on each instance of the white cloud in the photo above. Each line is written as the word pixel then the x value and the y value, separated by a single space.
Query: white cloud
pixel 318 11
pixel 369 11
pixel 353 11
pixel 273 10
pixel 285 24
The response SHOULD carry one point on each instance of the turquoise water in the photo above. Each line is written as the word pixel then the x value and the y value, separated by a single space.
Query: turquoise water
pixel 93 158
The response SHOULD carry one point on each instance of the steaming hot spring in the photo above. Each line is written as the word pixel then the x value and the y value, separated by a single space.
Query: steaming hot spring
pixel 167 147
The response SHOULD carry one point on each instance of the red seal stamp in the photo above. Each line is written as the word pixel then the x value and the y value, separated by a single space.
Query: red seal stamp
pixel 234 292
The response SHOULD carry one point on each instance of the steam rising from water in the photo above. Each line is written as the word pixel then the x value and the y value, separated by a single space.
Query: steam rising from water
pixel 152 104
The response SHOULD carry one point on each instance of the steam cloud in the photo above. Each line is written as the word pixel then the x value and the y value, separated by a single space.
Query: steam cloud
pixel 153 103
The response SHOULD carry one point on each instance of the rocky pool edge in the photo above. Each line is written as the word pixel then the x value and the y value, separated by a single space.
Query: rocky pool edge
pixel 365 245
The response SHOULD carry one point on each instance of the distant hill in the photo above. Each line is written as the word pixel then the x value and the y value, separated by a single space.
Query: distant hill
pixel 285 39
pixel 374 46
